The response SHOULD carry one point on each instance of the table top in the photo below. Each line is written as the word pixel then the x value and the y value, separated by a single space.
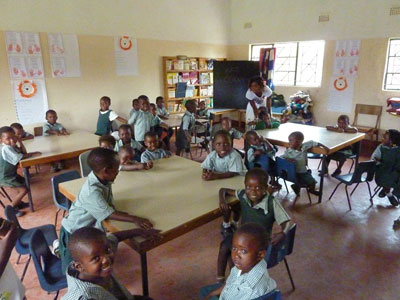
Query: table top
pixel 54 148
pixel 218 111
pixel 171 195
pixel 174 120
pixel 333 140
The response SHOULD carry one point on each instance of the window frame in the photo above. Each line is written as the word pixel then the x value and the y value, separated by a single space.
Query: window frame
pixel 384 84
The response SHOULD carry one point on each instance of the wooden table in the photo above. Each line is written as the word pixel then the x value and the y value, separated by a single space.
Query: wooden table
pixel 55 148
pixel 186 204
pixel 174 120
pixel 335 141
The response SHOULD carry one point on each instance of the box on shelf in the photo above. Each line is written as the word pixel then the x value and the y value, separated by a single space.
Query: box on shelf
pixel 171 93
pixel 189 91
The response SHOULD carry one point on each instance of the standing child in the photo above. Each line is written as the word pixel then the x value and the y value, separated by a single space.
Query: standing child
pixel 153 152
pixel 265 121
pixel 162 129
pixel 343 125
pixel 258 96
pixel 106 117
pixel 162 112
pixel 125 138
pixel 135 106
pixel 20 133
pixel 142 120
pixel 297 153
pixel 94 202
pixel 127 160
pixel 12 151
pixel 107 141
pixel 223 161
pixel 185 132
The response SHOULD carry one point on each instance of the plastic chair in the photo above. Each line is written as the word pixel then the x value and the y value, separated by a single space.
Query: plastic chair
pixel 374 110
pixel 274 295
pixel 24 236
pixel 357 177
pixel 60 200
pixel 47 266
pixel 85 168
pixel 315 156
pixel 277 253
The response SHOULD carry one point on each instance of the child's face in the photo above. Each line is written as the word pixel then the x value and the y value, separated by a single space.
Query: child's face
pixel 255 189
pixel 386 139
pixel 19 133
pixel 153 110
pixel 256 89
pixel 192 108
pixel 226 124
pixel 342 124
pixel 109 174
pixel 126 157
pixel 135 105
pixel 106 145
pixel 145 105
pixel 160 103
pixel 245 253
pixel 222 145
pixel 125 136
pixel 266 118
pixel 202 106
pixel 8 138
pixel 294 142
pixel 104 105
pixel 151 143
pixel 51 118
pixel 254 140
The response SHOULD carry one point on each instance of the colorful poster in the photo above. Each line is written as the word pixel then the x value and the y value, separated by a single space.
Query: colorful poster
pixel 126 56
pixel 64 55
pixel 341 91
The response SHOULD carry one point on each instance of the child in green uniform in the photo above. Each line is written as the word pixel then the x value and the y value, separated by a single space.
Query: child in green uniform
pixel 51 127
pixel 142 120
pixel 12 151
pixel 153 150
pixel 106 117
pixel 265 121
pixel 185 132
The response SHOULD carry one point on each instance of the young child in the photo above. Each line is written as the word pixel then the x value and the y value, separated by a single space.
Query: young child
pixel 153 152
pixel 162 112
pixel 107 141
pixel 223 161
pixel 203 112
pixel 160 127
pixel 142 120
pixel 90 274
pixel 256 205
pixel 343 125
pixel 94 202
pixel 265 121
pixel 297 153
pixel 135 106
pixel 106 117
pixel 185 132
pixel 51 127
pixel 226 124
pixel 249 278
pixel 125 138
pixel 12 151
pixel 387 174
pixel 127 160
pixel 20 133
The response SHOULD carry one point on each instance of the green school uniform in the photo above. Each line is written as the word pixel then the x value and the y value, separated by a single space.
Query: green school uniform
pixel 273 124
pixel 388 168
pixel 9 159
pixel 103 123
pixel 188 123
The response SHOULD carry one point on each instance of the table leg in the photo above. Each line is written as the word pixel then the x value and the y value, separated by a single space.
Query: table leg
pixel 357 149
pixel 322 176
pixel 240 119
pixel 145 281
pixel 28 186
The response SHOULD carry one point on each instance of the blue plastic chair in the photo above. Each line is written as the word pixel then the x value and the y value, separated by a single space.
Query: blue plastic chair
pixel 24 236
pixel 48 266
pixel 357 177
pixel 277 253
pixel 59 199
pixel 85 168
pixel 274 295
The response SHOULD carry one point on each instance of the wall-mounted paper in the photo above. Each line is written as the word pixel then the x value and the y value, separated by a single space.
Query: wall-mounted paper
pixel 64 55
pixel 341 91
pixel 126 56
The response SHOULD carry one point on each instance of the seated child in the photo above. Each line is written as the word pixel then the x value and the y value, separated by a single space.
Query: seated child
pixel 142 120
pixel 135 106
pixel 162 112
pixel 12 151
pixel 51 127
pixel 223 161
pixel 249 278
pixel 106 117
pixel 94 202
pixel 343 125
pixel 185 131
pixel 203 112
pixel 256 204
pixel 107 141
pixel 160 127
pixel 90 274
pixel 226 125
pixel 20 133
pixel 125 138
pixel 265 121
pixel 127 160
pixel 153 152
pixel 260 151
pixel 387 174
pixel 297 153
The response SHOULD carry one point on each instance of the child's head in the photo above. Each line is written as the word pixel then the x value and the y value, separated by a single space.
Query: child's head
pixel 202 105
pixel 191 106
pixel 135 104
pixel 296 139
pixel 343 121
pixel 256 85
pixel 7 135
pixel 249 246
pixel 142 99
pixel 256 184
pixel 160 101
pixel 92 254
pixel 18 130
pixel 153 109
pixel 104 163
pixel 264 115
pixel 394 137
pixel 151 141
pixel 252 138
pixel 126 154
pixel 145 106
pixel 226 123
pixel 125 133
pixel 51 116
pixel 222 143
pixel 107 141
pixel 105 103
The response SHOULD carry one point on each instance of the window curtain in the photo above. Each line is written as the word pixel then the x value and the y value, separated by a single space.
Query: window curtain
pixel 267 60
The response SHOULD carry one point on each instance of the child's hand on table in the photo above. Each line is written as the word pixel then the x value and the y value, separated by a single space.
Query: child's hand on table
pixel 148 165
pixel 143 223
pixel 207 175
pixel 153 235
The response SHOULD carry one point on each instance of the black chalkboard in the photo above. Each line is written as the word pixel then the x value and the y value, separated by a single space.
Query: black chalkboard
pixel 231 82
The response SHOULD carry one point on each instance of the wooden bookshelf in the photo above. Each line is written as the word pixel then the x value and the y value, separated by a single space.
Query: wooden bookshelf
pixel 196 71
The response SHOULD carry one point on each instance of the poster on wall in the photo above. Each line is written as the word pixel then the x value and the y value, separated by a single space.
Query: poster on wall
pixel 341 91
pixel 126 56
pixel 64 55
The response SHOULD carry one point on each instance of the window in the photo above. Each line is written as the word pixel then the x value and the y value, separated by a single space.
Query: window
pixel 296 63
pixel 391 80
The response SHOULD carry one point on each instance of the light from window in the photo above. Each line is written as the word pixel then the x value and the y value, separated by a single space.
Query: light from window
pixel 392 74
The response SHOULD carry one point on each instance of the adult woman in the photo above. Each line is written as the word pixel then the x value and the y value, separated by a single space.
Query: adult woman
pixel 258 95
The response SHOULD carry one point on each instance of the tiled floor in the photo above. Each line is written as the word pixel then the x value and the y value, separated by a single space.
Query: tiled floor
pixel 338 254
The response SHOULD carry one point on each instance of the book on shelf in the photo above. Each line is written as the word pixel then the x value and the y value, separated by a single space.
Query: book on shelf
pixel 210 90
pixel 170 77
pixel 202 64
pixel 175 78
pixel 203 91
pixel 189 91
pixel 186 65
pixel 180 89
pixel 210 64
pixel 181 64
pixel 171 93
pixel 184 77
pixel 193 64
pixel 168 65
pixel 193 78
pixel 211 77
pixel 204 78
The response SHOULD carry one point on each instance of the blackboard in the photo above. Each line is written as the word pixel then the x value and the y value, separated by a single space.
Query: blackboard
pixel 231 80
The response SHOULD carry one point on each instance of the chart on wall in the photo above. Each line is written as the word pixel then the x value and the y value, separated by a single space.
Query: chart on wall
pixel 64 55
pixel 126 56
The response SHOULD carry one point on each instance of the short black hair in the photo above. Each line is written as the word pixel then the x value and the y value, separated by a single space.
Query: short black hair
pixel 150 134
pixel 262 114
pixel 81 238
pixel 106 98
pixel 250 133
pixel 108 138
pixel 126 148
pixel 125 127
pixel 6 129
pixel 159 98
pixel 190 103
pixel 152 105
pixel 50 111
pixel 143 97
pixel 257 231
pixel 298 135
pixel 394 136
pixel 344 118
pixel 100 158
pixel 135 100
pixel 258 173
pixel 224 134
pixel 16 126
pixel 256 79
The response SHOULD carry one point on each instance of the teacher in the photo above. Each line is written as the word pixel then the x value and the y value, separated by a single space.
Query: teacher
pixel 258 95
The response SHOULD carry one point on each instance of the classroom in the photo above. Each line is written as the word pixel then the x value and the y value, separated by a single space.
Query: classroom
pixel 238 149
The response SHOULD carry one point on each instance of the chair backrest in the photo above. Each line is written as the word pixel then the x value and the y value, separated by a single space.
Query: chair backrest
pixel 365 109
pixel 59 199
pixel 276 253
pixel 286 169
pixel 10 215
pixel 274 295
pixel 85 168
pixel 364 167
pixel 38 131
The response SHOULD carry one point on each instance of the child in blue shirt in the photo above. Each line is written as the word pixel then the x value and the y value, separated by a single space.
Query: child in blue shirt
pixel 106 117
pixel 162 129
pixel 129 163
pixel 162 112
pixel 107 141
pixel 185 132
pixel 125 138
pixel 135 106
pixel 20 133
pixel 153 151
pixel 142 120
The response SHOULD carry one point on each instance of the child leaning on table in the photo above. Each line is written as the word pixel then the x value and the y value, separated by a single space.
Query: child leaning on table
pixel 107 141
pixel 106 117
pixel 12 151
pixel 94 202
pixel 265 121
pixel 127 160
pixel 20 133
pixel 297 153
pixel 90 274
pixel 125 138
pixel 153 150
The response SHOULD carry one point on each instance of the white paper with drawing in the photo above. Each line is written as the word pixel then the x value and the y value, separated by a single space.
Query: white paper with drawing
pixel 126 56
pixel 341 91
pixel 64 55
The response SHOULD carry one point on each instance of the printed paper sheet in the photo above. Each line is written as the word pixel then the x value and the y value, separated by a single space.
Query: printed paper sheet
pixel 64 55
pixel 126 60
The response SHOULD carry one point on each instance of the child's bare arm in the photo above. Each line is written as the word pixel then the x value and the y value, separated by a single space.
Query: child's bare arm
pixel 188 136
pixel 53 132
pixel 351 130
pixel 122 120
pixel 64 131
pixel 213 176
pixel 223 192
pixel 125 217
pixel 216 292
pixel 150 234
pixel 334 128
pixel 137 166
pixel 28 137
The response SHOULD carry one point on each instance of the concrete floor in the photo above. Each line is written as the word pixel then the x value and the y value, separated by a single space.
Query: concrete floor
pixel 338 254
